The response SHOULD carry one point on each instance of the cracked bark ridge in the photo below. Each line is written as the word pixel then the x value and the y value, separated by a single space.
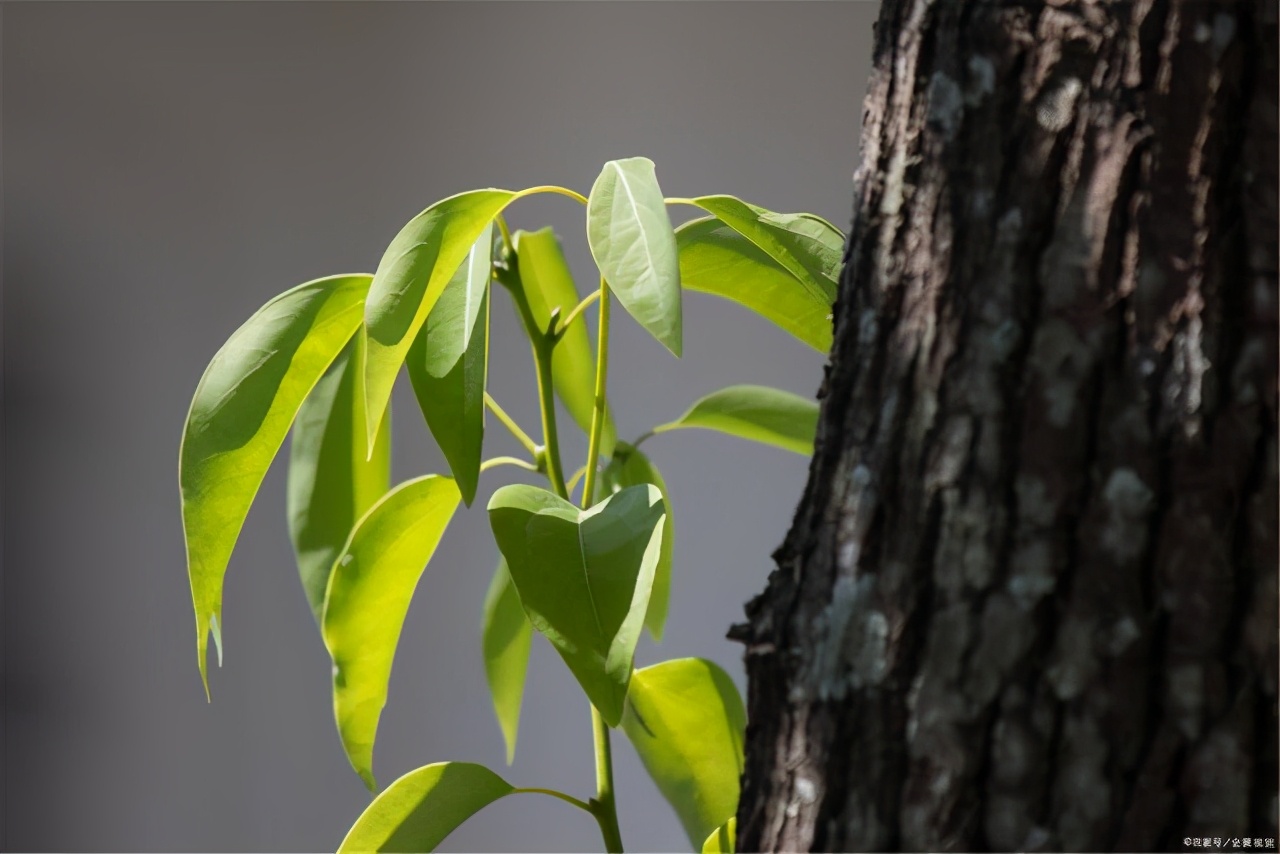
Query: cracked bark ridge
pixel 1029 599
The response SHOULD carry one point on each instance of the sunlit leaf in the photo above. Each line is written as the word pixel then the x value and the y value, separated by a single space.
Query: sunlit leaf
pixel 411 276
pixel 717 259
pixel 630 467
pixel 548 285
pixel 635 247
pixel 420 809
pixel 241 412
pixel 507 639
pixel 806 245
pixel 368 597
pixel 584 577
pixel 687 723
pixel 755 412
pixel 723 839
pixel 331 484
pixel 448 363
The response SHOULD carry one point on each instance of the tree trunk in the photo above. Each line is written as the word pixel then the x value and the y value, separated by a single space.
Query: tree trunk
pixel 1029 597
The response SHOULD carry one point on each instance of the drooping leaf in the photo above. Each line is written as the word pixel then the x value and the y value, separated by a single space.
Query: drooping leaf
pixel 508 636
pixel 241 412
pixel 806 245
pixel 630 467
pixel 411 276
pixel 717 259
pixel 448 363
pixel 420 809
pixel 755 412
pixel 723 839
pixel 331 484
pixel 368 597
pixel 687 723
pixel 548 285
pixel 584 577
pixel 635 247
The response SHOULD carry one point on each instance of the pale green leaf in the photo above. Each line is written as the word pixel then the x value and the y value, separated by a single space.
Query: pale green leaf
pixel 635 247
pixel 806 245
pixel 717 259
pixel 723 839
pixel 368 597
pixel 757 413
pixel 331 484
pixel 630 467
pixel 448 364
pixel 508 636
pixel 584 577
pixel 420 809
pixel 687 723
pixel 548 285
pixel 411 276
pixel 239 417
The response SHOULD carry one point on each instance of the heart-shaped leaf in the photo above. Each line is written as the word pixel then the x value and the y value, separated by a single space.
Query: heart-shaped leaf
pixel 241 412
pixel 723 839
pixel 411 276
pixel 507 639
pixel 687 722
pixel 420 809
pixel 717 259
pixel 635 247
pixel 630 467
pixel 806 245
pixel 331 484
pixel 755 412
pixel 448 363
pixel 548 285
pixel 368 597
pixel 584 577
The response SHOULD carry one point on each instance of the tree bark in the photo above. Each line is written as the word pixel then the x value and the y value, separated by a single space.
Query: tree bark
pixel 1029 597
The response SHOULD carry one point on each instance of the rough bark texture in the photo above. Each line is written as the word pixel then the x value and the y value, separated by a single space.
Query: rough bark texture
pixel 1029 597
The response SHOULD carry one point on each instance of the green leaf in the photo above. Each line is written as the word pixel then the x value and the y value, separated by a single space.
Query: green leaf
pixel 722 839
pixel 584 577
pixel 420 809
pixel 635 247
pixel 806 245
pixel 687 722
pixel 411 276
pixel 368 597
pixel 448 363
pixel 331 484
pixel 239 417
pixel 548 285
pixel 717 259
pixel 630 467
pixel 755 412
pixel 508 636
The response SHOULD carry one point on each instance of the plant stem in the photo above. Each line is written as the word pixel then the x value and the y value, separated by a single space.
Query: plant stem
pixel 508 461
pixel 577 310
pixel 597 413
pixel 603 806
pixel 510 423
pixel 568 799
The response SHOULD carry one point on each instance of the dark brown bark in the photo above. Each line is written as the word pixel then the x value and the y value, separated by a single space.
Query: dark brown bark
pixel 1029 597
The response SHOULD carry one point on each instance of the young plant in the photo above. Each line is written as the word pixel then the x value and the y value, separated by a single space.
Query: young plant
pixel 589 576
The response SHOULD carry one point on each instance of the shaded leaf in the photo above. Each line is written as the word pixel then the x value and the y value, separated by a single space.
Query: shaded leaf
pixel 755 412
pixel 584 577
pixel 723 839
pixel 630 467
pixel 717 259
pixel 331 484
pixel 687 723
pixel 635 247
pixel 368 597
pixel 241 412
pixel 548 285
pixel 420 809
pixel 508 636
pixel 448 365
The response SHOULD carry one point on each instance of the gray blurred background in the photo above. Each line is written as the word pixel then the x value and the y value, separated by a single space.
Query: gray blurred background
pixel 167 168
